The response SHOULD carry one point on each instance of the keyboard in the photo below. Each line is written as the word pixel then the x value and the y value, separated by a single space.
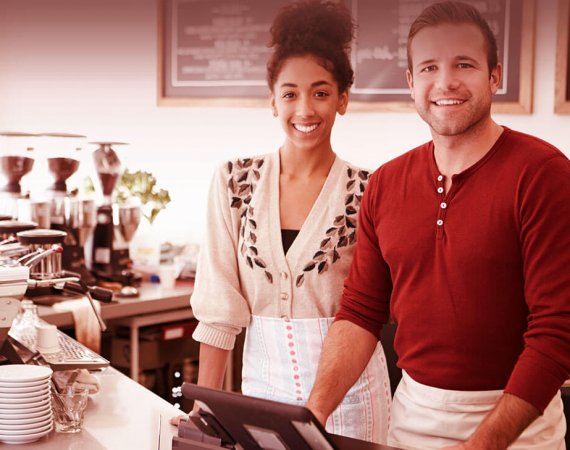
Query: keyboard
pixel 71 355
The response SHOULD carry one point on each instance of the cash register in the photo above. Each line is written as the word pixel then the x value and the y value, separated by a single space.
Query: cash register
pixel 228 420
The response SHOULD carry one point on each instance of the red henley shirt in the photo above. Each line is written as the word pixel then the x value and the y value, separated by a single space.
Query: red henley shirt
pixel 477 279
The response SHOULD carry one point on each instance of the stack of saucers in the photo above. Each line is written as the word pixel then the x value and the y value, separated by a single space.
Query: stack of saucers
pixel 25 403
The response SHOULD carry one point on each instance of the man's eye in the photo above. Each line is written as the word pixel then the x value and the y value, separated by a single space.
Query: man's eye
pixel 428 69
pixel 464 66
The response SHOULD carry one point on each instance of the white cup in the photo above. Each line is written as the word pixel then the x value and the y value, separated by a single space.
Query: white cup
pixel 47 341
pixel 168 275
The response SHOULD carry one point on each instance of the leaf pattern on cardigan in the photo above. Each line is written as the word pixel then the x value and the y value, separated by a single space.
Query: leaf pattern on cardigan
pixel 243 175
pixel 342 233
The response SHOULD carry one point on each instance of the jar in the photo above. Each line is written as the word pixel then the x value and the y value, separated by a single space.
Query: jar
pixel 25 321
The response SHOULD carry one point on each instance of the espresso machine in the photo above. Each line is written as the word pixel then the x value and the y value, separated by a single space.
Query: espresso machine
pixel 116 224
pixel 15 162
pixel 71 214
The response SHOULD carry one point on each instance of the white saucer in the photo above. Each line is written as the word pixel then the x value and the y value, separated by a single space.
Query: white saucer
pixel 26 429
pixel 14 388
pixel 23 439
pixel 23 384
pixel 18 420
pixel 23 372
pixel 24 402
pixel 36 393
pixel 46 405
pixel 26 414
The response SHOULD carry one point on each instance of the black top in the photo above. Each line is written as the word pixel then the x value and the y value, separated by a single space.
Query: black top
pixel 287 238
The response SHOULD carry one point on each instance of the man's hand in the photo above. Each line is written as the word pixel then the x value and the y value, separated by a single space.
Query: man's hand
pixel 502 426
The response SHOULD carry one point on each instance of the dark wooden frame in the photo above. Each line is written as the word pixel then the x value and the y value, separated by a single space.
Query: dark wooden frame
pixel 562 92
pixel 522 106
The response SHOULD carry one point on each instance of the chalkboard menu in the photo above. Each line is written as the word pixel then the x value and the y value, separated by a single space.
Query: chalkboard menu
pixel 217 50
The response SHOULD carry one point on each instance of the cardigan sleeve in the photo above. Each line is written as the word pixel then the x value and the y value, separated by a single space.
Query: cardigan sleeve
pixel 544 211
pixel 367 289
pixel 217 300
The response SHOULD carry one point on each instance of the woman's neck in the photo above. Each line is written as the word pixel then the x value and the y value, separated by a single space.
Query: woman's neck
pixel 305 163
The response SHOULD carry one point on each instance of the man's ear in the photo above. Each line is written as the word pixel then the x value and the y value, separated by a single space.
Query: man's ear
pixel 495 78
pixel 410 80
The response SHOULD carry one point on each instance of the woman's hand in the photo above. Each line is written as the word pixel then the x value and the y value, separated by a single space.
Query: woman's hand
pixel 176 419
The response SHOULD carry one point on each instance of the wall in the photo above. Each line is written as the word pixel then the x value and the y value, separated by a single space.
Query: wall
pixel 89 67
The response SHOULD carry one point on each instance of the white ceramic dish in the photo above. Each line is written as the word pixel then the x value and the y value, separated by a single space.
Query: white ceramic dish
pixel 23 372
pixel 27 408
pixel 26 414
pixel 14 388
pixel 24 384
pixel 36 393
pixel 24 421
pixel 15 430
pixel 23 439
pixel 24 402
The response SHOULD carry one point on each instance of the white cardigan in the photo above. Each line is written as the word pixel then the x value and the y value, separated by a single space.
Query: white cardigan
pixel 242 270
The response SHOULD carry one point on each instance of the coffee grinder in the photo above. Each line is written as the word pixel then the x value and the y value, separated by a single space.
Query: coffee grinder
pixel 73 215
pixel 116 224
pixel 15 162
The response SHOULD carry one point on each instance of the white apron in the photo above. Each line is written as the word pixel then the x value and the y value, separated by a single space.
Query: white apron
pixel 280 362
pixel 424 417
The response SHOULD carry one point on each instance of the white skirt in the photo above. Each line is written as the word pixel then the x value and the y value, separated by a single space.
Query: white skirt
pixel 280 362
pixel 425 418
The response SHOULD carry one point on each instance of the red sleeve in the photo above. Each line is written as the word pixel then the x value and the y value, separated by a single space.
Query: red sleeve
pixel 544 208
pixel 366 296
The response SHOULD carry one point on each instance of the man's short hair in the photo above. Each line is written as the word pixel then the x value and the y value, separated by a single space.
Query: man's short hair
pixel 451 12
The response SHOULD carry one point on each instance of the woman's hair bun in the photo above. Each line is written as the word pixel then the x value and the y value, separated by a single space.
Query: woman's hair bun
pixel 321 28
pixel 312 23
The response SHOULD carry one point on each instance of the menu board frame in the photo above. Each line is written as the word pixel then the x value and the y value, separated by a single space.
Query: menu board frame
pixel 522 104
pixel 562 86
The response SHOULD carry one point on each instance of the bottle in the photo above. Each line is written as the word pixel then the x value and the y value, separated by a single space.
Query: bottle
pixel 25 322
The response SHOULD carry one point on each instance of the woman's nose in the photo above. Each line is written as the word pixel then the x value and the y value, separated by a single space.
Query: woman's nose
pixel 305 106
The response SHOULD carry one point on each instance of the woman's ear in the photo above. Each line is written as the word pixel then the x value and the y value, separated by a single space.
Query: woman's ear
pixel 273 106
pixel 342 103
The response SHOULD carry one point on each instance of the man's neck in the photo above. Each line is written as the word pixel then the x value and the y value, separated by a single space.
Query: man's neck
pixel 454 154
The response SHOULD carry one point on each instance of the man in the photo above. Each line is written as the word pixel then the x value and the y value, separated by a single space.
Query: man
pixel 465 242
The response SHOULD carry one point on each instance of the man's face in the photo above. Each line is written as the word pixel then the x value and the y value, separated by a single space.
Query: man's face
pixel 450 80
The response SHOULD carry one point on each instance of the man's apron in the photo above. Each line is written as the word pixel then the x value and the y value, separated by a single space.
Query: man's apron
pixel 280 362
pixel 424 417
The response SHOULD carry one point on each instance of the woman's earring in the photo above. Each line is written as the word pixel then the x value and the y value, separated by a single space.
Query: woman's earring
pixel 275 113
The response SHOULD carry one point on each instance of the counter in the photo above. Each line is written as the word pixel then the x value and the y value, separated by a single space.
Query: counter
pixel 122 415
pixel 153 299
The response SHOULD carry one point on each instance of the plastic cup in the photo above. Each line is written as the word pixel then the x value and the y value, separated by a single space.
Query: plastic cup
pixel 46 338
pixel 69 410
pixel 168 275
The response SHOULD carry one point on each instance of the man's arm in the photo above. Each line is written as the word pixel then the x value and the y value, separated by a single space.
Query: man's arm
pixel 502 426
pixel 346 352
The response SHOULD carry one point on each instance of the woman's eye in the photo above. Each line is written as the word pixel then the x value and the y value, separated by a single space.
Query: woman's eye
pixel 321 94
pixel 287 95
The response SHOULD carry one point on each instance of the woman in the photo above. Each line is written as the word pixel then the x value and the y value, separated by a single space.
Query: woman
pixel 282 232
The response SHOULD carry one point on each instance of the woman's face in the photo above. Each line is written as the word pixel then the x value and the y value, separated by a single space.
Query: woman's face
pixel 306 99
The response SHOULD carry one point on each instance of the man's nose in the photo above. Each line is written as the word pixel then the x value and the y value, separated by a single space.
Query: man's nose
pixel 448 79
